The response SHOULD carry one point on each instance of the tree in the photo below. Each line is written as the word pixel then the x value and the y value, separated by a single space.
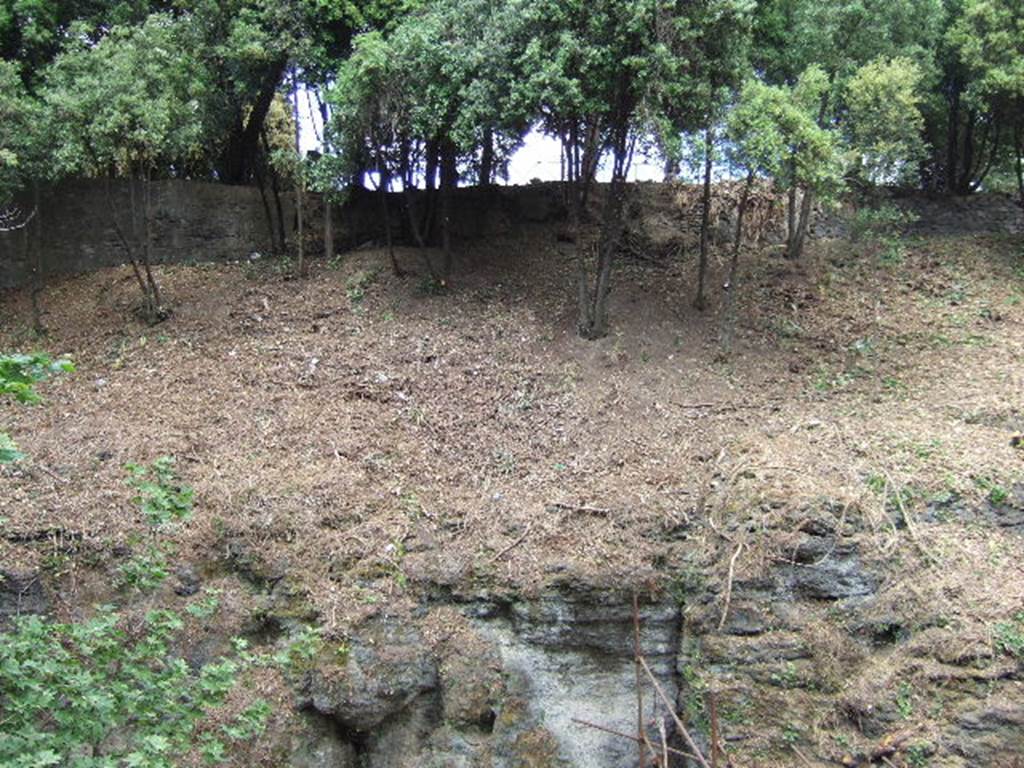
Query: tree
pixel 711 50
pixel 429 102
pixel 989 40
pixel 778 133
pixel 589 74
pixel 124 107
pixel 883 120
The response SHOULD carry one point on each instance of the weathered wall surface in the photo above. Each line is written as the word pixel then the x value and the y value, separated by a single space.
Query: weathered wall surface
pixel 201 222
pixel 191 222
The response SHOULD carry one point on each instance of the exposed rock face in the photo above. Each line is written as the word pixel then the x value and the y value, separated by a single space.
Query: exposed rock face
pixel 499 684
pixel 387 668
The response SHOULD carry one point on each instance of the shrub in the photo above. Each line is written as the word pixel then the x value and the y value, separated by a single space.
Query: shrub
pixel 162 499
pixel 100 693
pixel 18 377
pixel 20 373
pixel 9 452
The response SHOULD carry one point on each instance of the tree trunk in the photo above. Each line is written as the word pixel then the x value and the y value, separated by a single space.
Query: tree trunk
pixel 700 303
pixel 300 191
pixel 963 184
pixel 796 246
pixel 418 235
pixel 449 180
pixel 791 216
pixel 1018 145
pixel 281 242
pixel 382 190
pixel 593 322
pixel 37 269
pixel 243 143
pixel 262 186
pixel 155 303
pixel 487 159
pixel 953 141
pixel 328 226
pixel 728 316
pixel 430 165
pixel 143 275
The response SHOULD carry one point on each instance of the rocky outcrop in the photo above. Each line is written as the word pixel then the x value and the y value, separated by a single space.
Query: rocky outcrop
pixel 497 683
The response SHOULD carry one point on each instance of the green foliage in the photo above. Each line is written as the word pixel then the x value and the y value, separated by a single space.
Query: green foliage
pixel 20 373
pixel 18 376
pixel 162 498
pixel 989 39
pixel 1009 636
pixel 9 453
pixel 357 284
pixel 884 120
pixel 775 132
pixel 128 102
pixel 101 693
pixel 147 570
pixel 879 222
pixel 206 606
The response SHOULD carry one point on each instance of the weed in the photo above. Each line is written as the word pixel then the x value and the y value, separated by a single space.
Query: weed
pixel 20 373
pixel 342 651
pixel 161 498
pixel 9 453
pixel 207 605
pixel 1009 636
pixel 737 712
pixel 357 284
pixel 506 463
pixel 917 755
pixel 864 347
pixel 77 684
pixel 302 649
pixel 146 570
pixel 791 734
pixel 995 493
pixel 787 677
pixel 431 286
pixel 894 385
pixel 905 701
pixel 926 450
pixel 998 495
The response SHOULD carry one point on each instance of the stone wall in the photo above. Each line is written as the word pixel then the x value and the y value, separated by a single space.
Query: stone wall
pixel 191 222
pixel 202 222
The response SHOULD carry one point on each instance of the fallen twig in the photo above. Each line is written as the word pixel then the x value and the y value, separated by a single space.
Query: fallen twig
pixel 672 711
pixel 613 732
pixel 802 756
pixel 728 586
pixel 580 508
pixel 511 546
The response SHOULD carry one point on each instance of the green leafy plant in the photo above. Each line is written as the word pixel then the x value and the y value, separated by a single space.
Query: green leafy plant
pixel 9 453
pixel 162 499
pixel 206 606
pixel 905 701
pixel 103 693
pixel 357 285
pixel 18 376
pixel 146 570
pixel 1009 635
pixel 20 373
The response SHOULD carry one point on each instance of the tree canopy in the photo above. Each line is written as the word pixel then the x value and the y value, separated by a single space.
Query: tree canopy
pixel 434 94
